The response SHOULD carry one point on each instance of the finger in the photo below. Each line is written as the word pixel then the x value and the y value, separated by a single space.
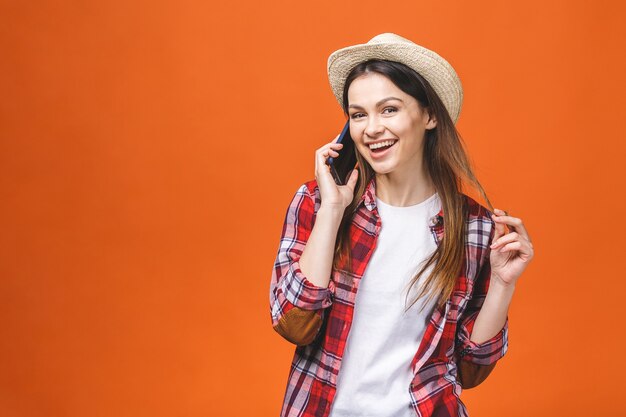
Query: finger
pixel 321 162
pixel 499 213
pixel 510 220
pixel 329 146
pixel 354 175
pixel 322 169
pixel 510 247
pixel 522 248
pixel 330 149
pixel 330 153
pixel 507 238
pixel 500 229
pixel 513 222
pixel 327 151
pixel 316 166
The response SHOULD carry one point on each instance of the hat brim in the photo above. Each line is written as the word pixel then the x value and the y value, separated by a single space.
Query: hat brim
pixel 436 70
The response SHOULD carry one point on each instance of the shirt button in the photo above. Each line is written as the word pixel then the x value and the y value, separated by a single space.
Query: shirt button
pixel 434 221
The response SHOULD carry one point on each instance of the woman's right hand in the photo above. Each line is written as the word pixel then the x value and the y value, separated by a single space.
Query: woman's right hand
pixel 333 195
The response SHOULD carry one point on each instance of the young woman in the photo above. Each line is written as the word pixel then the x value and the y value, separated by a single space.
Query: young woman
pixel 395 287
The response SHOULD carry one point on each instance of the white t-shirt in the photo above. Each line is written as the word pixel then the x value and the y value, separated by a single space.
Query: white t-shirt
pixel 375 372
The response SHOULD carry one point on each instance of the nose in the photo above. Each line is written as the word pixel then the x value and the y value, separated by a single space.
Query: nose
pixel 374 127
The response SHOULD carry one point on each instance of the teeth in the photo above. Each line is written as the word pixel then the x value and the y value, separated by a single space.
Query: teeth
pixel 381 144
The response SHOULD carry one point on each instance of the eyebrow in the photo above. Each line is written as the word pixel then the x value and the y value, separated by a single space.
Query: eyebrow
pixel 356 106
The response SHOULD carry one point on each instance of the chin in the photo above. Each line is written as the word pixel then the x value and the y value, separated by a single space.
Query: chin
pixel 381 170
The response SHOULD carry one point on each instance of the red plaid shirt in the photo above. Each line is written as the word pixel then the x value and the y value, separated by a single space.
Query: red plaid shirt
pixel 318 319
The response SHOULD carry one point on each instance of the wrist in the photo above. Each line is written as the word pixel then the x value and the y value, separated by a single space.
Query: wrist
pixel 498 288
pixel 332 212
pixel 329 216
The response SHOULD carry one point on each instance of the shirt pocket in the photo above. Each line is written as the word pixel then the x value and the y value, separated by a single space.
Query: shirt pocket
pixel 459 299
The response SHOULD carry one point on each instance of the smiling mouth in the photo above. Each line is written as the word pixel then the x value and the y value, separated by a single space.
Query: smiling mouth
pixel 383 148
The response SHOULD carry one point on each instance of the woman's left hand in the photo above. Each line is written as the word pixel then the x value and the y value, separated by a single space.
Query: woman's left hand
pixel 510 252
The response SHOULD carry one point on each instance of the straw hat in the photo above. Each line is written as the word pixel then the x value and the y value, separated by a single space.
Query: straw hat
pixel 391 47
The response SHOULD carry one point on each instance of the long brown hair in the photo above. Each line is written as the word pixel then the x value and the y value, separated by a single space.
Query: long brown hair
pixel 448 166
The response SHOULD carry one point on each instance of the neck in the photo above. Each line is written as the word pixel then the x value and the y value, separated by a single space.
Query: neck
pixel 404 190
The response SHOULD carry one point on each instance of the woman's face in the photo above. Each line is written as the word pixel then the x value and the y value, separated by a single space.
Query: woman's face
pixel 380 112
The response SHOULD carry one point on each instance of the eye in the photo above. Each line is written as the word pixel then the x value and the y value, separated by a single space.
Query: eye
pixel 356 115
pixel 389 110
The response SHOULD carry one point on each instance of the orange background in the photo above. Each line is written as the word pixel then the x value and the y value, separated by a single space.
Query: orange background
pixel 149 150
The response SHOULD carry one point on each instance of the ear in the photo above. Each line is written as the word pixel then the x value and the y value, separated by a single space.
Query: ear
pixel 432 121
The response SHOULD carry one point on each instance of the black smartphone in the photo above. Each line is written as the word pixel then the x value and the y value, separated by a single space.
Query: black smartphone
pixel 342 166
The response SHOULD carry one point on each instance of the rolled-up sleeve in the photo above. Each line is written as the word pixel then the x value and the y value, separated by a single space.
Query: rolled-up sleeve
pixel 484 353
pixel 300 292
pixel 295 302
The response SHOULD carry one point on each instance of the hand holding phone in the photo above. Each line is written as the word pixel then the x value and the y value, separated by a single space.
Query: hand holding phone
pixel 335 195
